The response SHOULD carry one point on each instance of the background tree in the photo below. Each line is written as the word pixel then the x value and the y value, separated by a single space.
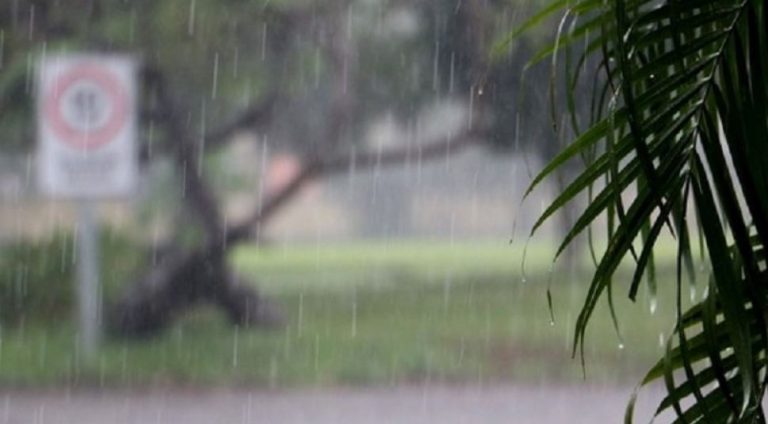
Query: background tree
pixel 679 121
pixel 309 78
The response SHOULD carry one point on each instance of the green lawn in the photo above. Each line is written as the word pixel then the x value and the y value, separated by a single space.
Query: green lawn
pixel 370 314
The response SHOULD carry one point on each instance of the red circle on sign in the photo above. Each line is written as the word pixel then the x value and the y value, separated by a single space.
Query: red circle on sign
pixel 114 94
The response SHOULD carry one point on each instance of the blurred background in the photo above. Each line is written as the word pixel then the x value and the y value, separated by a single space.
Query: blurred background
pixel 330 197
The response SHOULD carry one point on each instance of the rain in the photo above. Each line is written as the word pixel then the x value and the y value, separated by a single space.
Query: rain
pixel 302 212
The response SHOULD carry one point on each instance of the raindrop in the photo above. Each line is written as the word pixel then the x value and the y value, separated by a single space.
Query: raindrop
pixel 2 48
pixel 62 257
pixel 473 205
pixel 435 67
pixel 123 362
pixel 317 355
pixel 448 149
pixel 621 346
pixel 132 27
pixel 446 292
pixel 345 75
pixel 349 22
pixel 247 410
pixel 318 61
pixel 31 20
pixel 150 138
pixel 693 293
pixel 184 180
pixel 653 305
pixel 376 174
pixel 235 348
pixel 74 249
pixel 287 343
pixel 451 76
pixel 28 80
pixel 191 19
pixel 102 370
pixel 215 86
pixel 201 138
pixel 263 41
pixel 487 329
pixel 236 62
pixel 272 374
pixel 351 170
pixel 43 350
pixel 551 322
pixel 40 414
pixel 458 6
pixel 417 142
pixel 470 116
pixel 300 319
pixel 523 278
pixel 661 339
pixel 262 179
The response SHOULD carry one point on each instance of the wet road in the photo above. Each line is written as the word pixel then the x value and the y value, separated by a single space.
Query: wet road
pixel 410 404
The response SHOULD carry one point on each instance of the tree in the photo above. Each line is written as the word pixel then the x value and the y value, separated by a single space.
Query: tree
pixel 679 120
pixel 310 75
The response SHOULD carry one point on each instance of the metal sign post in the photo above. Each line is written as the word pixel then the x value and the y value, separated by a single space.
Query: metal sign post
pixel 87 129
pixel 88 289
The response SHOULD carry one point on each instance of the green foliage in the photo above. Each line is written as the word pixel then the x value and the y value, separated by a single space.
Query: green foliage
pixel 37 277
pixel 679 120
pixel 36 280
pixel 362 313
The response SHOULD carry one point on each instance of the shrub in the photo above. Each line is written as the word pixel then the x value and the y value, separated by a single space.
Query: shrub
pixel 37 277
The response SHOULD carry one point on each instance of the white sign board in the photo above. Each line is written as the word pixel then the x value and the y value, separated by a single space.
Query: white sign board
pixel 86 119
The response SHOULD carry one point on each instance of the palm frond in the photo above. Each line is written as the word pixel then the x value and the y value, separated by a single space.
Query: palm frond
pixel 680 116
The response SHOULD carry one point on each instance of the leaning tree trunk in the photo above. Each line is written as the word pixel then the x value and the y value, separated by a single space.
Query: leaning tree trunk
pixel 183 280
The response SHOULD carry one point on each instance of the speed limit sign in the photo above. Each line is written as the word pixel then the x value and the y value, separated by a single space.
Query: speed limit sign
pixel 86 126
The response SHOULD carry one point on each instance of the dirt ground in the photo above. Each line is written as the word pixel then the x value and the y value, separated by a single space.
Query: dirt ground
pixel 410 404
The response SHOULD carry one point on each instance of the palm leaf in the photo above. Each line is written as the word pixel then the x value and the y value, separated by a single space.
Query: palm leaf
pixel 679 117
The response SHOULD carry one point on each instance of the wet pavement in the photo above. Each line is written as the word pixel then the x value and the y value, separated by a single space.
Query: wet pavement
pixel 409 404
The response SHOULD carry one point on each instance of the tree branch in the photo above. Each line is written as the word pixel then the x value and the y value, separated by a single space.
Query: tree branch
pixel 420 152
pixel 187 156
pixel 322 168
pixel 255 115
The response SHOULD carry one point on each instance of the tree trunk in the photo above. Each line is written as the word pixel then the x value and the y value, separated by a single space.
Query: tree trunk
pixel 183 280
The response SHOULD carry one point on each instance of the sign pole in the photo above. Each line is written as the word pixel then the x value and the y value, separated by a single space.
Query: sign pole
pixel 88 290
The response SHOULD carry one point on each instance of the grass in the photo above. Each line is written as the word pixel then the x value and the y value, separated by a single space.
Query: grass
pixel 369 314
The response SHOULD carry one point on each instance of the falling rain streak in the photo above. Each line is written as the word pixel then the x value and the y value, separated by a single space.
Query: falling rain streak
pixel 191 18
pixel 215 83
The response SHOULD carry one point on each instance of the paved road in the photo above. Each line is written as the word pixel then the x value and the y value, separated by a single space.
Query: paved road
pixel 411 404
